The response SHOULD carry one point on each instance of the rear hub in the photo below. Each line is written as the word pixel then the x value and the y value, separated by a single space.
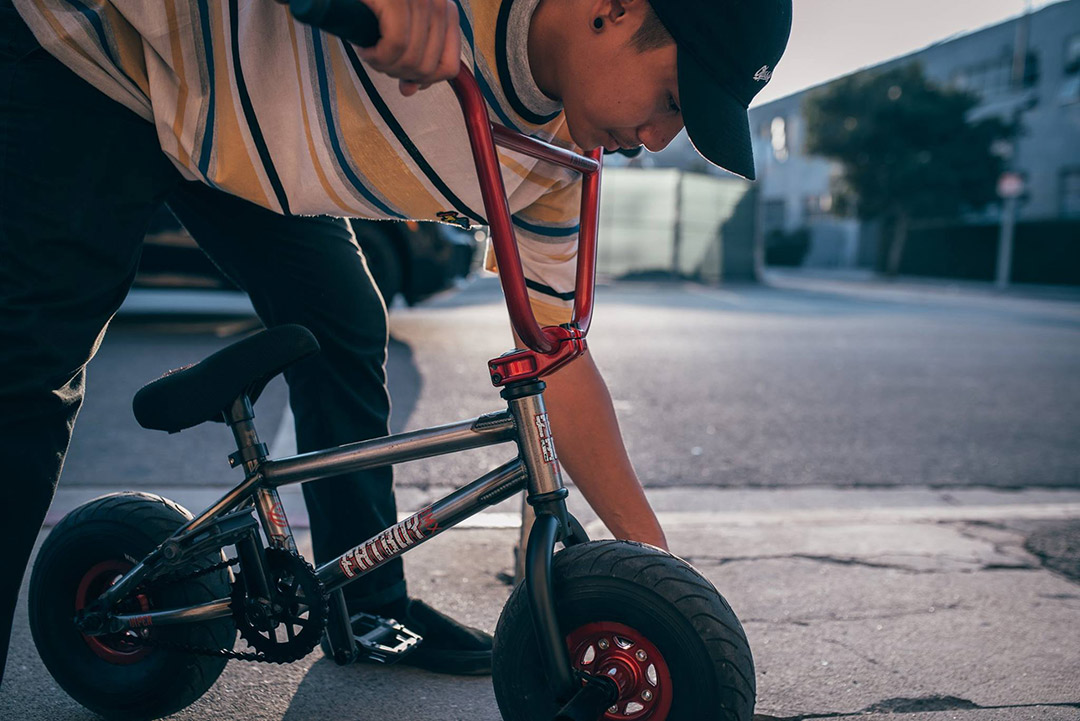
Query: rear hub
pixel 118 648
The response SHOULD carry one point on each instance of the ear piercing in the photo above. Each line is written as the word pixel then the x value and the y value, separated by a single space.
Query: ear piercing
pixel 598 23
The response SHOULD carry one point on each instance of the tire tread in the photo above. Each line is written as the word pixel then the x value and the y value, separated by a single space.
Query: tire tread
pixel 678 584
pixel 153 519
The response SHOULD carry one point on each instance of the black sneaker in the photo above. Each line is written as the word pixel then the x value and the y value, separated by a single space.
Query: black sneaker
pixel 448 646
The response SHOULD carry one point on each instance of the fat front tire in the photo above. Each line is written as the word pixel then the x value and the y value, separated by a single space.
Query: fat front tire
pixel 117 675
pixel 641 616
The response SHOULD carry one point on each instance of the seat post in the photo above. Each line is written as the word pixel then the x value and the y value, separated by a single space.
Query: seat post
pixel 240 418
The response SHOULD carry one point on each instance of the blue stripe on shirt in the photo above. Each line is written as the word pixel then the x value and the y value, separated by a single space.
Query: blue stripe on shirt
pixel 249 112
pixel 404 139
pixel 94 19
pixel 211 97
pixel 546 230
pixel 332 130
pixel 485 89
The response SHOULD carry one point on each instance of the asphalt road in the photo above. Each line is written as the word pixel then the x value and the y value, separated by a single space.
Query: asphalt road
pixel 813 384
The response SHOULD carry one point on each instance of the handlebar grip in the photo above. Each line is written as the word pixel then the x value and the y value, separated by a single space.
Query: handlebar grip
pixel 351 20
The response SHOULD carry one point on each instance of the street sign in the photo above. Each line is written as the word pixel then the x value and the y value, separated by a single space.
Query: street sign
pixel 1010 185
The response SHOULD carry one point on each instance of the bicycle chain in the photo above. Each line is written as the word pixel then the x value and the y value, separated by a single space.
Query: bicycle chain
pixel 172 580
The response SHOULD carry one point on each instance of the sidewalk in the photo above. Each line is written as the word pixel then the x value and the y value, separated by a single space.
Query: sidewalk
pixel 860 280
pixel 861 603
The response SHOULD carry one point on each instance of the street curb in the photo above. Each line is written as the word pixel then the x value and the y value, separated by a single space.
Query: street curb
pixel 713 507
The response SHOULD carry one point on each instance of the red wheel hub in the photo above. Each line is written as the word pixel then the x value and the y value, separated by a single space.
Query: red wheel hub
pixel 118 648
pixel 628 658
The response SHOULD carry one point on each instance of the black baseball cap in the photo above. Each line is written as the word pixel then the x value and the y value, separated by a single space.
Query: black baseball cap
pixel 727 52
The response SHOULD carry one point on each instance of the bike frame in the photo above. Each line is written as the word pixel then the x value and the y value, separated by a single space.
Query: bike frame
pixel 524 422
pixel 260 484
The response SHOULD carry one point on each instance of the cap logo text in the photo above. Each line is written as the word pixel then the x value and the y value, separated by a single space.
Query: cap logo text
pixel 763 75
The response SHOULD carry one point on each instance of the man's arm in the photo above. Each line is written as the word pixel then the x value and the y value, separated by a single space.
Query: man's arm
pixel 591 449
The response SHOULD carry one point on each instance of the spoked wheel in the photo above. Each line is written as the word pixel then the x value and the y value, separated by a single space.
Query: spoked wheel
pixel 644 619
pixel 133 674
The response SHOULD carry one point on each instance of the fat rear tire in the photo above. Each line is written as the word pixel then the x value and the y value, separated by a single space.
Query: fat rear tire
pixel 709 668
pixel 120 529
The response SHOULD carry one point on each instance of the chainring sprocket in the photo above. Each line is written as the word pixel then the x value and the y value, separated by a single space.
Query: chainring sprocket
pixel 288 627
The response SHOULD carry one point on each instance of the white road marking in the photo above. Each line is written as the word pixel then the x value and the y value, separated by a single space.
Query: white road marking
pixel 823 516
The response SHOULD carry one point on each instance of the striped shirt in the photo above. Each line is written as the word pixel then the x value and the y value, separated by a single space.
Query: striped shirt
pixel 249 101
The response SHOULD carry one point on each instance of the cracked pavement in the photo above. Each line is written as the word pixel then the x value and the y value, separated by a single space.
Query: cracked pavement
pixel 908 614
pixel 844 617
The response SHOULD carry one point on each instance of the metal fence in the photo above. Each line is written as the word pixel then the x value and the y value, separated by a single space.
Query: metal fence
pixel 665 220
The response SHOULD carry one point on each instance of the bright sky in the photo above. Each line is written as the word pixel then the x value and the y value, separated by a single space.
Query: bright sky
pixel 830 38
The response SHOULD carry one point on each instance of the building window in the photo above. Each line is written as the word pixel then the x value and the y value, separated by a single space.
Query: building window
pixel 987 79
pixel 816 207
pixel 775 213
pixel 1070 90
pixel 1031 70
pixel 1072 54
pixel 778 133
pixel 1070 192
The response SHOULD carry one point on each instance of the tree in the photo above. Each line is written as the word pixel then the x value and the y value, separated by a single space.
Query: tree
pixel 908 148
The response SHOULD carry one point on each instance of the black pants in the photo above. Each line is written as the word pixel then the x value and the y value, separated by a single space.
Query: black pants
pixel 80 177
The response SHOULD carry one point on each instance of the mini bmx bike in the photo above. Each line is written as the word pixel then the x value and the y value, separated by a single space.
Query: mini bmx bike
pixel 135 607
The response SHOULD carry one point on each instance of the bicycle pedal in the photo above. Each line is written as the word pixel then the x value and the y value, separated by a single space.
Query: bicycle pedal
pixel 383 640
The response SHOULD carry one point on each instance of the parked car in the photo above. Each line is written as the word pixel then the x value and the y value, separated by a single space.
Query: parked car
pixel 415 259
pixel 408 258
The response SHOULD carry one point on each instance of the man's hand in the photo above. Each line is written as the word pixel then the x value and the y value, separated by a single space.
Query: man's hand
pixel 420 42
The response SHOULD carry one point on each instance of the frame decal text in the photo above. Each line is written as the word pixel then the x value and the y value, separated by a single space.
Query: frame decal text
pixel 389 543
pixel 547 443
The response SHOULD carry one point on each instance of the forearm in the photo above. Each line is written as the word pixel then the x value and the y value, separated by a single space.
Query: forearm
pixel 591 449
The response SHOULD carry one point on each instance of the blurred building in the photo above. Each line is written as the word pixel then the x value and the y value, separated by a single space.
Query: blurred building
pixel 794 188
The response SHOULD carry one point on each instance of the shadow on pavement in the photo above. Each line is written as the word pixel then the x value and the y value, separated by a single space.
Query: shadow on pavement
pixel 405 383
pixel 361 692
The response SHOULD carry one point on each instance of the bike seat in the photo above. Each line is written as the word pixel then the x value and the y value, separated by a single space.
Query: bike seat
pixel 201 392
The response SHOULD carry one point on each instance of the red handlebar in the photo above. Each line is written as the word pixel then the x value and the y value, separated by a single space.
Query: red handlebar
pixel 484 136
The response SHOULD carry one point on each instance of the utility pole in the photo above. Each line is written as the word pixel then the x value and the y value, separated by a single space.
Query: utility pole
pixel 677 231
pixel 1010 185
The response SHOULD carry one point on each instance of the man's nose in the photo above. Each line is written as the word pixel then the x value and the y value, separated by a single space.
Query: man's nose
pixel 658 134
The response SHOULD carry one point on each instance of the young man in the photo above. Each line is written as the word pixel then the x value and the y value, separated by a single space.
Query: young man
pixel 258 132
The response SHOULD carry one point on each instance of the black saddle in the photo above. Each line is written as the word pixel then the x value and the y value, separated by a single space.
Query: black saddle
pixel 201 392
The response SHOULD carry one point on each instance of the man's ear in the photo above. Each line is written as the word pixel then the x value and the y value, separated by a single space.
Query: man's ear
pixel 613 12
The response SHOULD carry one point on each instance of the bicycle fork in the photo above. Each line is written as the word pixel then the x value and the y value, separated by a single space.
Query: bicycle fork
pixel 547 496
pixel 585 697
